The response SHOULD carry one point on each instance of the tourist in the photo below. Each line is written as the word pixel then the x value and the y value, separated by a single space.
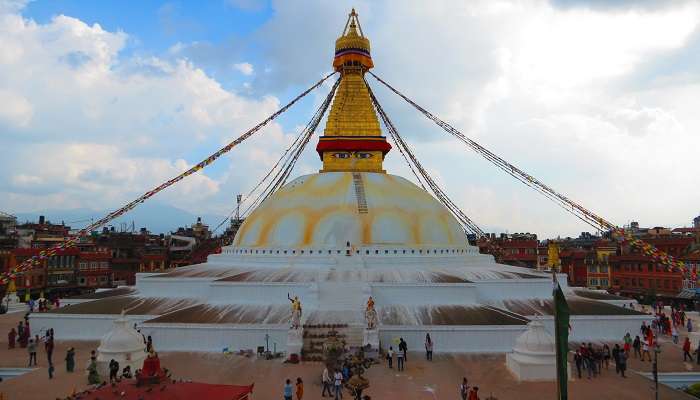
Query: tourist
pixel 474 393
pixel 400 360
pixel 11 338
pixel 686 350
pixel 464 389
pixel 300 389
pixel 126 372
pixel 616 357
pixel 622 362
pixel 627 342
pixel 643 328
pixel 49 346
pixel 590 362
pixel 51 370
pixel 390 356
pixel 31 348
pixel 578 360
pixel 428 347
pixel 637 346
pixel 288 390
pixel 149 344
pixel 113 371
pixel 326 380
pixel 21 335
pixel 403 347
pixel 606 356
pixel 93 376
pixel 690 325
pixel 70 360
pixel 338 384
pixel 31 305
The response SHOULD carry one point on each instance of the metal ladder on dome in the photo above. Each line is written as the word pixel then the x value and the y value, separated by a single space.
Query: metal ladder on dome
pixel 359 193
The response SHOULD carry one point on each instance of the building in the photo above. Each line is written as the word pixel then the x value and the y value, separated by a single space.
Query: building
pixel 518 249
pixel 331 240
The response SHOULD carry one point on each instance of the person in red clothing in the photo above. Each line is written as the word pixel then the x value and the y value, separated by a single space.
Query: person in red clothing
pixel 686 350
pixel 474 393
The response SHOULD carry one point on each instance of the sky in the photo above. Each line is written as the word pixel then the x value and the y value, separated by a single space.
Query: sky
pixel 102 101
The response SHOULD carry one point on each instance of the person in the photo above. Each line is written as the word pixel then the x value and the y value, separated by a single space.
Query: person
pixel 51 370
pixel 622 362
pixel 21 335
pixel 338 384
pixel 300 389
pixel 70 360
pixel 403 347
pixel 606 356
pixel 628 342
pixel 463 389
pixel 287 390
pixel 686 350
pixel 149 344
pixel 637 346
pixel 690 325
pixel 616 357
pixel 578 360
pixel 11 337
pixel 31 348
pixel 126 372
pixel 49 345
pixel 113 371
pixel 390 356
pixel 400 360
pixel 590 360
pixel 474 393
pixel 428 347
pixel 326 380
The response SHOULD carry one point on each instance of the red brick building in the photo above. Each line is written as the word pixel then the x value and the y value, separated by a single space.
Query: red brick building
pixel 95 269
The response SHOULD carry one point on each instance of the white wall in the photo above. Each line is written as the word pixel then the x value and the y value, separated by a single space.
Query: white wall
pixel 214 337
pixel 458 339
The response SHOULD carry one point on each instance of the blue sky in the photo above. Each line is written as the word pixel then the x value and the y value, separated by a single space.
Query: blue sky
pixel 105 100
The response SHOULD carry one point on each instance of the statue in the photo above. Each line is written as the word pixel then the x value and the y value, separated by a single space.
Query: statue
pixel 296 311
pixel 371 314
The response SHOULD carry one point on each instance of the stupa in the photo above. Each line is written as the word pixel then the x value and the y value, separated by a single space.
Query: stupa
pixel 332 239
pixel 122 344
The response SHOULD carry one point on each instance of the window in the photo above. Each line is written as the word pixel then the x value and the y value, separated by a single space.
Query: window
pixel 83 265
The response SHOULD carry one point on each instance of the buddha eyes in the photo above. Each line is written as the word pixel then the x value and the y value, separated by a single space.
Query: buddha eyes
pixel 348 155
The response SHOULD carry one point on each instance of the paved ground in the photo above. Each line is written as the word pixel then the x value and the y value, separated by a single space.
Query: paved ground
pixel 421 380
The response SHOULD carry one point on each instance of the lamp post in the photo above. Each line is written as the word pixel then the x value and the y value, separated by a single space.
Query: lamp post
pixel 655 369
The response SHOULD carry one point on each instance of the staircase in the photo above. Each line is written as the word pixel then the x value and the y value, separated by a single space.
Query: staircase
pixel 360 193
pixel 315 336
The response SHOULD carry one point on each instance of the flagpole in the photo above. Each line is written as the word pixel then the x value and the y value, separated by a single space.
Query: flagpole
pixel 556 331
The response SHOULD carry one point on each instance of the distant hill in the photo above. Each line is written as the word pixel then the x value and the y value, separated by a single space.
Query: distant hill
pixel 157 218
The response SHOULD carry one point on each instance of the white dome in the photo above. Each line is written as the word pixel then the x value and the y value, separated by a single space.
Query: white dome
pixel 535 341
pixel 121 339
pixel 362 208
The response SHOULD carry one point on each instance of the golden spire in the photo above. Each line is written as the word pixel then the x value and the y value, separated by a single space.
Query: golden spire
pixel 352 140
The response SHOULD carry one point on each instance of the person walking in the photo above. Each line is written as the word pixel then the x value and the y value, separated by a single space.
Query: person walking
pixel 31 348
pixel 606 356
pixel 390 357
pixel 616 357
pixel 300 389
pixel 113 371
pixel 400 360
pixel 578 360
pixel 70 360
pixel 623 362
pixel 428 347
pixel 674 334
pixel 338 384
pixel 288 390
pixel 326 380
pixel 11 338
pixel 637 346
pixel 403 347
pixel 48 346
pixel 463 389
pixel 686 350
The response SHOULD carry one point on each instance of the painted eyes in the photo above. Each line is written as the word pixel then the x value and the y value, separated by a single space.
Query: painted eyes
pixel 348 155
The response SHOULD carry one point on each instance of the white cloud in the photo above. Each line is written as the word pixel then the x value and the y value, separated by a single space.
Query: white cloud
pixel 15 110
pixel 244 68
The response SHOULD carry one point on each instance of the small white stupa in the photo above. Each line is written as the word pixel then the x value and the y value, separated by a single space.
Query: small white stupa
pixel 122 344
pixel 534 355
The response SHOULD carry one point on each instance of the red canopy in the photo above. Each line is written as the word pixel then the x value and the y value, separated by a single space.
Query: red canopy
pixel 170 391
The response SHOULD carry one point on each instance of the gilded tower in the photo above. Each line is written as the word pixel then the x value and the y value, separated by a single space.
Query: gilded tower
pixel 352 140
